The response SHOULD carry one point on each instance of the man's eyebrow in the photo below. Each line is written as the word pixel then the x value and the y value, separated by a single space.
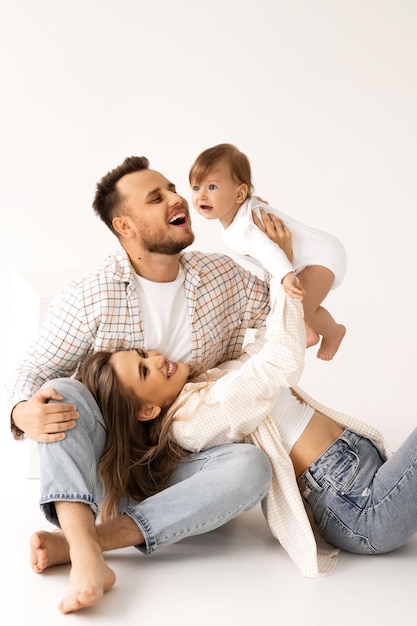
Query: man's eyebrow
pixel 170 186
pixel 153 192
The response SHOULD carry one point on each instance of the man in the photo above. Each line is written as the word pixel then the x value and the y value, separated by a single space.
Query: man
pixel 149 294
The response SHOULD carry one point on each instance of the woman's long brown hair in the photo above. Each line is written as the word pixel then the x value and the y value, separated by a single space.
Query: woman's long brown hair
pixel 139 456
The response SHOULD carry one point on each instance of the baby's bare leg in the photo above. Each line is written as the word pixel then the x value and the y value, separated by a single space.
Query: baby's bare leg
pixel 317 282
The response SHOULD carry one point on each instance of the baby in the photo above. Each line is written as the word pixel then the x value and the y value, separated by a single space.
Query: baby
pixel 221 184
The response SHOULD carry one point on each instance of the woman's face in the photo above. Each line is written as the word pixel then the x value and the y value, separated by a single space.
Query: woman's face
pixel 150 375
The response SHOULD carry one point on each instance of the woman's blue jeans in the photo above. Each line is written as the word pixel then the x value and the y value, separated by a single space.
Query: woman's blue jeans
pixel 361 502
pixel 206 490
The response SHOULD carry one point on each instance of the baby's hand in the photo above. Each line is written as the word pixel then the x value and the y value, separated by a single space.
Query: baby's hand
pixel 292 286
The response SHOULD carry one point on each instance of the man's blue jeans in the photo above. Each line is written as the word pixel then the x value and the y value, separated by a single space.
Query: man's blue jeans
pixel 206 490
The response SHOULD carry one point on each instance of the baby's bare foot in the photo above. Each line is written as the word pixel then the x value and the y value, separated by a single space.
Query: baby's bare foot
pixel 330 345
pixel 48 549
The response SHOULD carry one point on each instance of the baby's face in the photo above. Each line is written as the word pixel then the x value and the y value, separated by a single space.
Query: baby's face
pixel 218 195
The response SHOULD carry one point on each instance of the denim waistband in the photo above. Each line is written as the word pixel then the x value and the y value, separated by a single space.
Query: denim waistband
pixel 346 440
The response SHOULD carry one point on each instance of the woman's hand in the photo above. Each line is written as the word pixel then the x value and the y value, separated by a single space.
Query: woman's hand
pixel 276 230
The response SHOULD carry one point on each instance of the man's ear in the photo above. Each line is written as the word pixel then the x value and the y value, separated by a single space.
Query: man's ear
pixel 242 192
pixel 148 412
pixel 121 225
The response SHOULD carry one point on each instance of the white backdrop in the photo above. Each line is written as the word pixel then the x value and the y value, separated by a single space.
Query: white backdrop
pixel 320 94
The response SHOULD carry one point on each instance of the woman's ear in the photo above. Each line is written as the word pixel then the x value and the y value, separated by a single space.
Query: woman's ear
pixel 242 192
pixel 148 412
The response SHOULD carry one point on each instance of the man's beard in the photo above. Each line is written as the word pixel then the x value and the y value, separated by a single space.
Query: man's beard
pixel 166 245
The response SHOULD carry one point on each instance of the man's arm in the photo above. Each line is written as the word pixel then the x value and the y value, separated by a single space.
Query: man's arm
pixel 59 347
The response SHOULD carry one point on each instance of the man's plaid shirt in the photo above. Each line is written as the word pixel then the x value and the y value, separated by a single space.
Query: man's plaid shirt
pixel 101 311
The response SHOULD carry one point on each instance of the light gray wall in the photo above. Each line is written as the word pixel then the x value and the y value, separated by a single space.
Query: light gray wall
pixel 321 95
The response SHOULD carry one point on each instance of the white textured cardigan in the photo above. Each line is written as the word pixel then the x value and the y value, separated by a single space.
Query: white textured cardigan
pixel 232 404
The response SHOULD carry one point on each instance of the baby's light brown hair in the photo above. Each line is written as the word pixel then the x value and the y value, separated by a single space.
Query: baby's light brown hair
pixel 238 163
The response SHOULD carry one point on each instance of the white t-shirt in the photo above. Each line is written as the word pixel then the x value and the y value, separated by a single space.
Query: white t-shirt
pixel 166 322
pixel 291 417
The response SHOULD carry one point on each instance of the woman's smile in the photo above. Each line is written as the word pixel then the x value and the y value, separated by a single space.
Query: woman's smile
pixel 171 368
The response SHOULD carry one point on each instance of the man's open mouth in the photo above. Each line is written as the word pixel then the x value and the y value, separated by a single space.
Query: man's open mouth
pixel 178 219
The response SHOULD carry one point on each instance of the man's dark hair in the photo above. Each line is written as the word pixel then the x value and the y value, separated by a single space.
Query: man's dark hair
pixel 107 198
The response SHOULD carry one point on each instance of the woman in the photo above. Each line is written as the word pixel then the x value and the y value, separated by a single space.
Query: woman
pixel 327 467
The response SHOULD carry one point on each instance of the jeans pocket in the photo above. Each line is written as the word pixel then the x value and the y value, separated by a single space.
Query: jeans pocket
pixel 341 536
pixel 344 472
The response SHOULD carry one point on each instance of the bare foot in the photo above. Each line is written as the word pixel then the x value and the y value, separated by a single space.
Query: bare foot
pixel 330 345
pixel 48 549
pixel 312 338
pixel 90 578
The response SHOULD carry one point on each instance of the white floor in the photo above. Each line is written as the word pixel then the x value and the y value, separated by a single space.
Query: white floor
pixel 235 575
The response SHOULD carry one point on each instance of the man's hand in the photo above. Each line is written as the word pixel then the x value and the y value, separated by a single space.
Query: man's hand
pixel 45 421
pixel 276 230
pixel 292 286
